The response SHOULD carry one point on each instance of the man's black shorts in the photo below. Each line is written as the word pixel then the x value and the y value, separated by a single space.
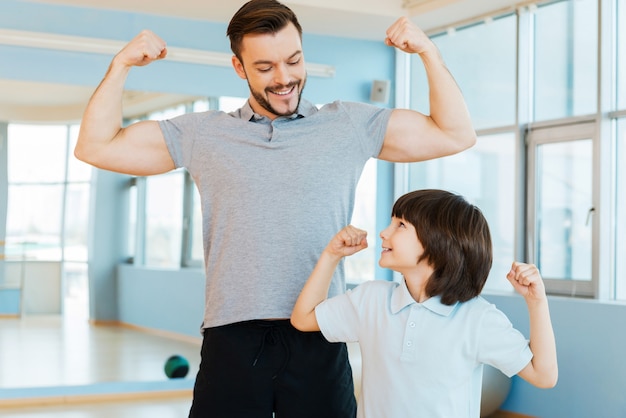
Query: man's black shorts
pixel 265 369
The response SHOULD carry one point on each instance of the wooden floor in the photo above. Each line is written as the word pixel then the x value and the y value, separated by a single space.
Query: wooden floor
pixel 44 355
pixel 175 407
pixel 58 367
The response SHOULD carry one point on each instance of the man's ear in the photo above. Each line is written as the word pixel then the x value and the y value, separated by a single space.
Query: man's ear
pixel 238 66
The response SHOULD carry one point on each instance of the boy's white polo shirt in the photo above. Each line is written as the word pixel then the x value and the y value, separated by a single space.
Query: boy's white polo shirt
pixel 421 359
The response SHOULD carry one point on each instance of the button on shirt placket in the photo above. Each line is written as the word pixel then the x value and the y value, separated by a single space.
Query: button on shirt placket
pixel 409 343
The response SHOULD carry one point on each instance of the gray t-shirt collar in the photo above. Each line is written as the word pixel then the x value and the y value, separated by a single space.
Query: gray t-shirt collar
pixel 304 109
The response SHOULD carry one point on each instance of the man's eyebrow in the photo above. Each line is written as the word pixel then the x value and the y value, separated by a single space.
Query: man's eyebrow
pixel 266 62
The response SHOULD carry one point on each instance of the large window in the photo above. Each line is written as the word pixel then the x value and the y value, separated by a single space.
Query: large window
pixel 48 205
pixel 534 76
pixel 164 219
pixel 37 157
pixel 482 59
pixel 48 194
pixel 565 52
pixel 621 54
pixel 160 212
pixel 561 211
pixel 361 266
pixel 76 205
pixel 620 210
pixel 487 180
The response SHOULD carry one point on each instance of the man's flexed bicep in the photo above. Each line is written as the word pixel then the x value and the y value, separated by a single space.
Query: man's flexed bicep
pixel 412 136
pixel 139 149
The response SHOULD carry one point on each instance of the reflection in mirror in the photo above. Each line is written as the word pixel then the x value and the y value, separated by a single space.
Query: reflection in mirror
pixel 46 337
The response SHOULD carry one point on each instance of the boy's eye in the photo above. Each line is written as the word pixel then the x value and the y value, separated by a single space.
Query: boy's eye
pixel 401 224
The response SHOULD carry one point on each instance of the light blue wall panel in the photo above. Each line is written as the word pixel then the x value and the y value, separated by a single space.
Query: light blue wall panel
pixel 10 300
pixel 4 192
pixel 121 26
pixel 590 341
pixel 357 62
pixel 160 299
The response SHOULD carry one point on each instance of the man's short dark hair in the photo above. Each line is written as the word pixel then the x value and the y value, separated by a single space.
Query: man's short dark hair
pixel 259 17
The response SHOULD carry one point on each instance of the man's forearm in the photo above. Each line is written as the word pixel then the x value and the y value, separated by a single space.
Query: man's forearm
pixel 447 105
pixel 102 118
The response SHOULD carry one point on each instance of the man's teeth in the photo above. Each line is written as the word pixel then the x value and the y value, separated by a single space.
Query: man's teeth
pixel 282 93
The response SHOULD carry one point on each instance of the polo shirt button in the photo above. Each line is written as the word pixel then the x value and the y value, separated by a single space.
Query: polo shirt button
pixel 409 343
pixel 412 324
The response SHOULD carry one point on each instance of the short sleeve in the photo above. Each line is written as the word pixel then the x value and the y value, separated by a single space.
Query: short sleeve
pixel 369 122
pixel 337 318
pixel 501 345
pixel 172 135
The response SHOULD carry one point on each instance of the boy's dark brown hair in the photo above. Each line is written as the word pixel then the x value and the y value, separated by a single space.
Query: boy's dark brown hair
pixel 259 17
pixel 456 240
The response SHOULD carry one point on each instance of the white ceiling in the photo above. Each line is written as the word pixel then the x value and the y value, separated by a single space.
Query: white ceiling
pixel 364 19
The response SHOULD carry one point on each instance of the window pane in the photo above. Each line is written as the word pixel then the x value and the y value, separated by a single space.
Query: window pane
pixel 76 290
pixel 360 267
pixel 229 104
pixel 76 169
pixel 164 219
pixel 132 222
pixel 480 185
pixel 621 55
pixel 201 106
pixel 168 113
pixel 620 210
pixel 36 153
pixel 76 222
pixel 482 59
pixel 563 226
pixel 566 47
pixel 34 222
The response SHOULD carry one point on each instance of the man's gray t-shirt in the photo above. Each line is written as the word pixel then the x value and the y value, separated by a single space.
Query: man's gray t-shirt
pixel 273 193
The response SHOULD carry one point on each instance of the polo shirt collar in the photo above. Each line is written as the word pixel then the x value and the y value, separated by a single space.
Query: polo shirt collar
pixel 304 109
pixel 401 298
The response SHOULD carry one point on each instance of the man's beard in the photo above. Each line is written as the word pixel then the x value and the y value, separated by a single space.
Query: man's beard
pixel 265 104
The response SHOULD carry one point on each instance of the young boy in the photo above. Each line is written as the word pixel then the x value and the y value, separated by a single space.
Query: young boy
pixel 424 341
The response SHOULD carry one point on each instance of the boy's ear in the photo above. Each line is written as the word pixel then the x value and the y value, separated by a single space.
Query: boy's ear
pixel 238 66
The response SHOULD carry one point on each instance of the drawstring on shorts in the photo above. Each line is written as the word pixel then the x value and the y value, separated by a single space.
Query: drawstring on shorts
pixel 273 334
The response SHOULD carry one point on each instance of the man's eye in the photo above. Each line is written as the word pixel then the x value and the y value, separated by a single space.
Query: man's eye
pixel 264 69
pixel 296 62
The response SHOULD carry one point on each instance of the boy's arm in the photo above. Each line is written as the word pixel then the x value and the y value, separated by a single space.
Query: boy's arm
pixel 347 242
pixel 542 371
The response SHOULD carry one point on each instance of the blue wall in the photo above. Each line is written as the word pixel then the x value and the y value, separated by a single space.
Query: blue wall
pixel 357 62
pixel 590 341
pixel 9 300
pixel 162 299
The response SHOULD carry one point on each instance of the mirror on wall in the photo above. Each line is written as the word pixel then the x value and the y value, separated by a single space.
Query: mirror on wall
pixel 47 339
